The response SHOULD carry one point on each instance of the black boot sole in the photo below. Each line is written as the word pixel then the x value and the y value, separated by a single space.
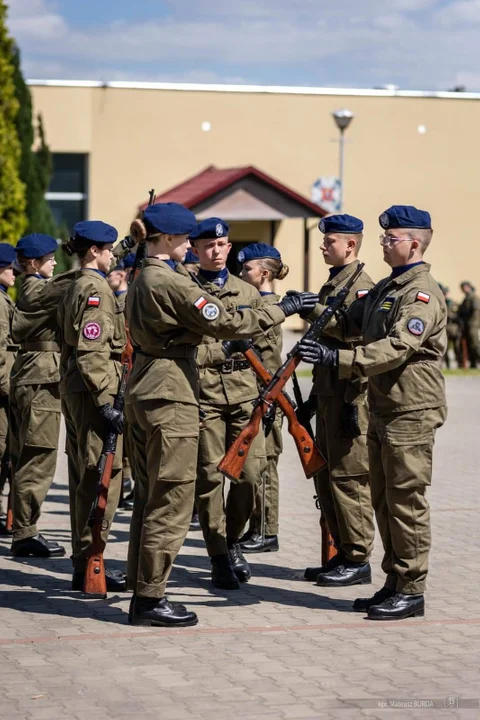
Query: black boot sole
pixel 360 581
pixel 415 613
pixel 263 550
pixel 38 555
pixel 242 578
pixel 158 623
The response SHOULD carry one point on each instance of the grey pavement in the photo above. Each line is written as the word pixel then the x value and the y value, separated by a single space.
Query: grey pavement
pixel 279 647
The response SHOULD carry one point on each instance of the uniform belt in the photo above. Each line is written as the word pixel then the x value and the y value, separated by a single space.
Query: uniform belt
pixel 180 352
pixel 230 365
pixel 40 346
pixel 12 348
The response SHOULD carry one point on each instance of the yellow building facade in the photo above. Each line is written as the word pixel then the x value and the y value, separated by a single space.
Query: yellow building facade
pixel 401 148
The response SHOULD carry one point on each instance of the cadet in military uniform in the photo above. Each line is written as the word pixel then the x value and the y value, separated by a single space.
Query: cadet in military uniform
pixel 93 335
pixel 168 314
pixel 34 395
pixel 403 324
pixel 227 389
pixel 7 357
pixel 469 316
pixel 343 487
pixel 452 328
pixel 261 266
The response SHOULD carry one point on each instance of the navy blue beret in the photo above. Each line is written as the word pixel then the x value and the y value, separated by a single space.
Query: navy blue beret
pixel 191 258
pixel 255 251
pixel 210 228
pixel 36 245
pixel 7 255
pixel 405 216
pixel 169 219
pixel 94 231
pixel 341 224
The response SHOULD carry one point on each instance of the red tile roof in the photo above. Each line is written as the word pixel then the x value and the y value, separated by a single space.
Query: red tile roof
pixel 212 180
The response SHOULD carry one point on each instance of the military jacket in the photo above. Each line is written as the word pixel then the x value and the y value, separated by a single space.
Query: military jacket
pixel 326 382
pixel 92 326
pixel 269 344
pixel 7 347
pixel 403 325
pixel 35 328
pixel 168 315
pixel 218 385
pixel 469 312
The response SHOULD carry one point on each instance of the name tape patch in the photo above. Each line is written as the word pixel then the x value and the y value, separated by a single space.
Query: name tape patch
pixel 416 326
pixel 424 297
pixel 92 331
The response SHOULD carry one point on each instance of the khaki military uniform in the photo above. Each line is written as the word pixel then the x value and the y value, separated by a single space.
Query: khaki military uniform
pixel 168 314
pixel 403 325
pixel 469 315
pixel 7 357
pixel 35 398
pixel 343 486
pixel 128 470
pixel 227 389
pixel 93 336
pixel 269 345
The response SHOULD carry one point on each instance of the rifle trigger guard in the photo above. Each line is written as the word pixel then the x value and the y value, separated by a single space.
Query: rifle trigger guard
pixel 105 524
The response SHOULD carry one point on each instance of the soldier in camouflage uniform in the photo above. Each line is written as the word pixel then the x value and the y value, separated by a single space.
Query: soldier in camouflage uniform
pixel 403 325
pixel 168 315
pixel 7 357
pixel 93 337
pixel 261 266
pixel 34 394
pixel 469 317
pixel 343 487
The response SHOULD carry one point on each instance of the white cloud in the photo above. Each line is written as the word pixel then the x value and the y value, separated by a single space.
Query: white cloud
pixel 409 42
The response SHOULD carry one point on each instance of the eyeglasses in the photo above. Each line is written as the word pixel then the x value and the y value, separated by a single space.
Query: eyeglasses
pixel 389 240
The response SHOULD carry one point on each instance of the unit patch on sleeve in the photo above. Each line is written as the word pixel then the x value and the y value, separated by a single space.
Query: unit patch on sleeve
pixel 361 293
pixel 416 326
pixel 93 301
pixel 92 331
pixel 424 297
pixel 200 303
pixel 387 304
pixel 211 311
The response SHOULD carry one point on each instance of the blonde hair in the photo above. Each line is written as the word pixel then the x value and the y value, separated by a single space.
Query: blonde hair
pixel 424 237
pixel 277 269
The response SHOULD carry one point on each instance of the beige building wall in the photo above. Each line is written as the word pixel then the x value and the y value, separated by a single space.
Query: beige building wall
pixel 142 138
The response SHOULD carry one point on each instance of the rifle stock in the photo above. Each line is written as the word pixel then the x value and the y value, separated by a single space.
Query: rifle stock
pixel 95 584
pixel 234 460
pixel 310 457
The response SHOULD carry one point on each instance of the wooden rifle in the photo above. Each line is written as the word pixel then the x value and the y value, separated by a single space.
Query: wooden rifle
pixel 234 460
pixel 95 582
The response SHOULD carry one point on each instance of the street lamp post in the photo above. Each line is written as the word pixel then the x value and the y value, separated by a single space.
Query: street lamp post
pixel 342 118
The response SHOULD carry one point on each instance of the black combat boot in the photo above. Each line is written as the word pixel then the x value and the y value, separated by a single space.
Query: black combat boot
pixel 311 573
pixel 398 607
pixel 255 544
pixel 160 613
pixel 348 573
pixel 364 604
pixel 241 567
pixel 223 574
pixel 37 546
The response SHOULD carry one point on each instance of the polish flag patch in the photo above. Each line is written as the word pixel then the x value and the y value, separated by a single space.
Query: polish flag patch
pixel 361 293
pixel 424 297
pixel 200 303
pixel 93 301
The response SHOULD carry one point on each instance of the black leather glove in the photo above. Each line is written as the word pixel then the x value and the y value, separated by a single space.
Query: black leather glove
pixel 307 411
pixel 114 418
pixel 349 421
pixel 301 303
pixel 314 353
pixel 233 346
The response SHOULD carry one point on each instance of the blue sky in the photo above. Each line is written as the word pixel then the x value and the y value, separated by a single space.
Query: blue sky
pixel 416 44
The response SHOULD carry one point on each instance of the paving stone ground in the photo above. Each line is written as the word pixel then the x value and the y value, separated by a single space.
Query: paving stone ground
pixel 279 647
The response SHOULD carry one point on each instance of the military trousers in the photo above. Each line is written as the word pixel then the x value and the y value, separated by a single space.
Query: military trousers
pixel 223 521
pixel 343 487
pixel 269 477
pixel 400 449
pixel 4 455
pixel 85 434
pixel 165 444
pixel 35 427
